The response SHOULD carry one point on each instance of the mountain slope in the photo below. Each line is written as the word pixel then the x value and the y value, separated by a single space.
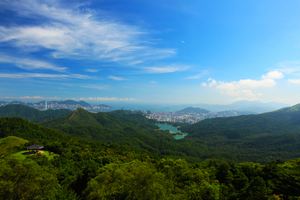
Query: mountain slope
pixel 9 144
pixel 283 121
pixel 269 136
pixel 26 112
pixel 118 127
pixel 192 110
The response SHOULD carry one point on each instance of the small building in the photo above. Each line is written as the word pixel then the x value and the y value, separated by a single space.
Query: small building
pixel 35 148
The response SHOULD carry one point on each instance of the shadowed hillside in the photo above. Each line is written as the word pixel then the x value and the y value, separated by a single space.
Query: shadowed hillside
pixel 26 112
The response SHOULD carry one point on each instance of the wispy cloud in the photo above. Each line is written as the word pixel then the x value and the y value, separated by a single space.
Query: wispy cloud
pixel 198 75
pixel 73 33
pixel 30 64
pixel 245 88
pixel 289 67
pixel 25 98
pixel 153 82
pixel 42 75
pixel 92 70
pixel 95 87
pixel 22 98
pixel 294 81
pixel 117 78
pixel 165 69
pixel 93 99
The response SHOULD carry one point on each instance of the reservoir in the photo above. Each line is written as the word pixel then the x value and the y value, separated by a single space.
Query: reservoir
pixel 177 134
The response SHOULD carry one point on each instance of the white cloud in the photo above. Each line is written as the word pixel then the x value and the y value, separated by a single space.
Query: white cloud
pixel 23 97
pixel 95 87
pixel 30 64
pixel 294 81
pixel 28 98
pixel 273 75
pixel 289 67
pixel 42 75
pixel 153 82
pixel 117 78
pixel 165 69
pixel 70 32
pixel 91 70
pixel 95 99
pixel 245 88
pixel 198 75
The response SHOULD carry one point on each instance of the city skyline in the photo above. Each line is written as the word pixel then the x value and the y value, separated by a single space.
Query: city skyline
pixel 171 52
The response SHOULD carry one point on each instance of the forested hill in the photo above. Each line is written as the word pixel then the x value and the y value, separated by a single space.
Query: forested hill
pixel 32 114
pixel 283 121
pixel 127 128
pixel 193 110
pixel 70 168
pixel 124 127
pixel 265 137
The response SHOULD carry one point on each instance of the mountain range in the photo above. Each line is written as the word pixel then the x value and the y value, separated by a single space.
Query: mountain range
pixel 206 114
pixel 255 107
pixel 66 104
pixel 118 127
pixel 262 137
pixel 282 121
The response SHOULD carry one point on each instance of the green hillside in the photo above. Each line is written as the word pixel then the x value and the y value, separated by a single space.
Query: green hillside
pixel 10 144
pixel 26 112
pixel 86 169
pixel 265 137
pixel 119 127
pixel 283 121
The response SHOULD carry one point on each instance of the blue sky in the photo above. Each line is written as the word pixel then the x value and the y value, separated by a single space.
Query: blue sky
pixel 142 51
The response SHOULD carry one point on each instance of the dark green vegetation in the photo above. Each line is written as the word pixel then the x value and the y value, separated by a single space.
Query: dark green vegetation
pixel 193 110
pixel 264 137
pixel 26 112
pixel 85 169
pixel 122 155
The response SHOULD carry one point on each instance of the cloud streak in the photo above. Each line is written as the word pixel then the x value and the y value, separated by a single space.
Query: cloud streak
pixel 42 75
pixel 71 33
pixel 198 75
pixel 294 81
pixel 165 69
pixel 95 87
pixel 30 64
pixel 117 78
pixel 90 99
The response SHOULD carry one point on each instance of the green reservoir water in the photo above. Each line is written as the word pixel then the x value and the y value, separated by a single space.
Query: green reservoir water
pixel 177 134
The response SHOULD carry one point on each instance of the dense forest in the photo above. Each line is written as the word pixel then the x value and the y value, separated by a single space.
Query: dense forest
pixel 122 155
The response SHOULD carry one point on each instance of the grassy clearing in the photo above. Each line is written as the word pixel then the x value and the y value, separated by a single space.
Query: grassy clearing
pixel 21 155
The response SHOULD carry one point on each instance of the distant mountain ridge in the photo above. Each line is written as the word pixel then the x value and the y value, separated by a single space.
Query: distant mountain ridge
pixel 282 121
pixel 193 110
pixel 294 108
pixel 130 127
pixel 268 136
pixel 66 104
pixel 245 106
pixel 192 115
pixel 210 114
pixel 32 114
